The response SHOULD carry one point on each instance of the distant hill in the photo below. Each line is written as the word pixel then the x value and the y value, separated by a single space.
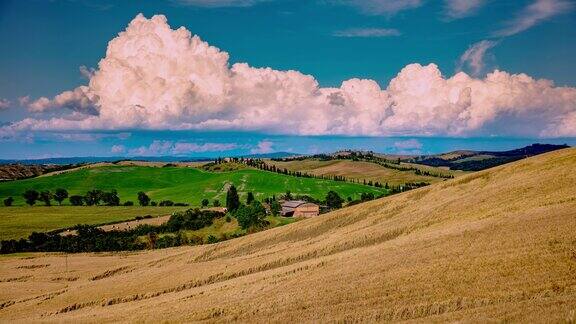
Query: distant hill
pixel 24 171
pixel 96 159
pixel 493 246
pixel 480 160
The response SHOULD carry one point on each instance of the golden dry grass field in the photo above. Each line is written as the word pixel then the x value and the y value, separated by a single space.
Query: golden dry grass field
pixel 493 246
pixel 365 170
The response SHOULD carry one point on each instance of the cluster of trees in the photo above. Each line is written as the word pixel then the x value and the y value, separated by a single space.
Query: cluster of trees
pixel 93 239
pixel 250 215
pixel 93 197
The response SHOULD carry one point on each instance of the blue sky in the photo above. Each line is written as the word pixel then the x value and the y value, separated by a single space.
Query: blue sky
pixel 46 42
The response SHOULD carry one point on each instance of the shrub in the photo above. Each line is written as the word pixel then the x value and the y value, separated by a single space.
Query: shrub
pixel 249 198
pixel 205 202
pixel 143 199
pixel 216 203
pixel 211 239
pixel 76 200
pixel 228 219
pixel 46 196
pixel 232 199
pixel 153 203
pixel 166 203
pixel 31 196
pixel 181 204
pixel 8 201
pixel 128 203
pixel 60 194
pixel 333 200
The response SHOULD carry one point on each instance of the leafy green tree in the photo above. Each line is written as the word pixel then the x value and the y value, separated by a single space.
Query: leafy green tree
pixel 76 200
pixel 31 196
pixel 143 199
pixel 275 208
pixel 232 199
pixel 111 198
pixel 60 194
pixel 93 197
pixel 288 195
pixel 251 215
pixel 333 200
pixel 46 196
pixel 205 202
pixel 128 203
pixel 250 198
pixel 216 203
pixel 8 201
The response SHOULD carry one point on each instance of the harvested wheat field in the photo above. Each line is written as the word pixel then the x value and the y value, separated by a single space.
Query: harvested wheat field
pixel 497 245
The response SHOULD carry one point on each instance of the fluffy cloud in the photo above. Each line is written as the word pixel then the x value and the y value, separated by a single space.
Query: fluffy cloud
pixel 153 77
pixel 538 11
pixel 118 149
pixel 474 57
pixel 366 32
pixel 263 147
pixel 157 148
pixel 456 9
pixel 4 103
pixel 183 148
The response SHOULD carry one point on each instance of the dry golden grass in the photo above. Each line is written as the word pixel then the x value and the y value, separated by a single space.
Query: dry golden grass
pixel 493 246
pixel 365 170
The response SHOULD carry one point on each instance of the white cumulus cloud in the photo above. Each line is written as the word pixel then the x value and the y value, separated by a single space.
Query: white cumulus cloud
pixel 154 77
pixel 118 149
pixel 159 147
pixel 263 147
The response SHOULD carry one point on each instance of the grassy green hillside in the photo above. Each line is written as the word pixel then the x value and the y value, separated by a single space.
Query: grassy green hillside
pixel 19 222
pixel 188 185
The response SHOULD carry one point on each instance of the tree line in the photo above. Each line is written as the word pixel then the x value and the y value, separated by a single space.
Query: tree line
pixel 94 197
pixel 89 238
pixel 369 157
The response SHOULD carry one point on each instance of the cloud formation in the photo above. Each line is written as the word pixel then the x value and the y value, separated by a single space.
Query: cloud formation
pixel 118 149
pixel 411 144
pixel 456 9
pixel 4 103
pixel 474 57
pixel 219 3
pixel 366 32
pixel 263 147
pixel 381 7
pixel 153 77
pixel 538 11
pixel 157 148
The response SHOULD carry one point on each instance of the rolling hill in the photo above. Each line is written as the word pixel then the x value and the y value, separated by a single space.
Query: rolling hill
pixel 480 160
pixel 180 184
pixel 494 246
pixel 364 170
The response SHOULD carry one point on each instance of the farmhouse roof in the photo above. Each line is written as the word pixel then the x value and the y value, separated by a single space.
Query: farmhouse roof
pixel 293 203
